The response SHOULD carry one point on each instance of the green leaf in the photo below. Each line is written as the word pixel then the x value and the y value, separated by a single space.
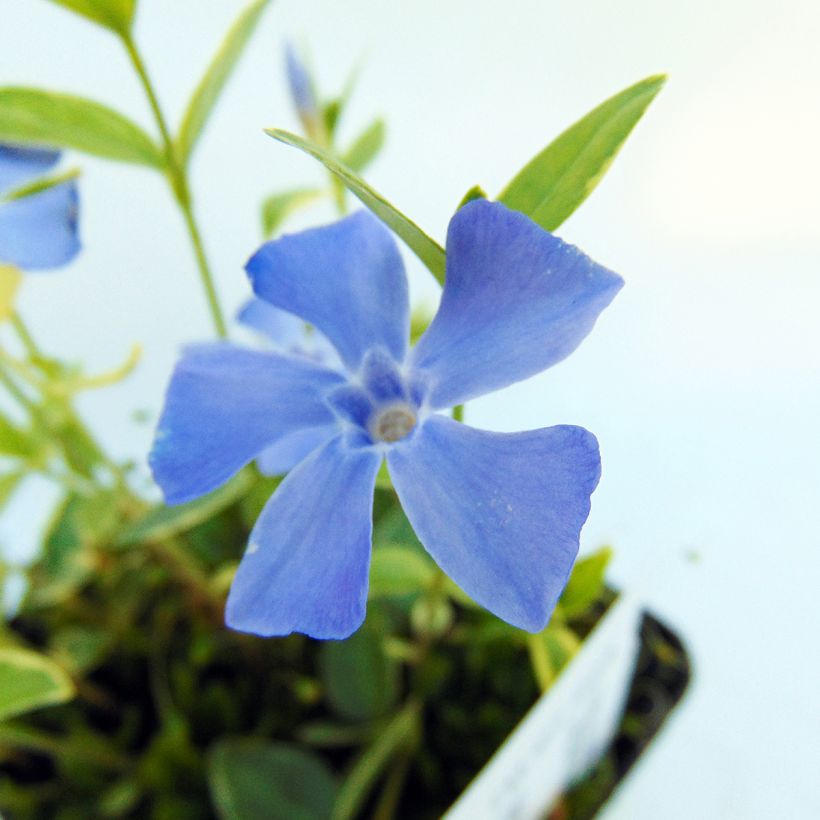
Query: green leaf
pixel 585 584
pixel 8 484
pixel 360 680
pixel 32 116
pixel 10 279
pixel 216 76
pixel 476 192
pixel 164 522
pixel 365 147
pixel 427 249
pixel 556 181
pixel 277 208
pixel 396 571
pixel 14 441
pixel 252 779
pixel 117 15
pixel 28 681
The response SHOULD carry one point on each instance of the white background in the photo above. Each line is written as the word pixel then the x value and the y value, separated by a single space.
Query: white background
pixel 701 381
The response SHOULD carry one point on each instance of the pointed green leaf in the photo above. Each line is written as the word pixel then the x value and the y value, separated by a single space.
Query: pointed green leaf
pixel 427 249
pixel 15 441
pixel 164 522
pixel 365 147
pixel 476 192
pixel 10 279
pixel 586 583
pixel 32 116
pixel 277 208
pixel 253 779
pixel 556 181
pixel 216 76
pixel 28 681
pixel 117 15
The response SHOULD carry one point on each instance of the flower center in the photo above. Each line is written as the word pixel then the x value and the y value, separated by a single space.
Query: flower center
pixel 393 423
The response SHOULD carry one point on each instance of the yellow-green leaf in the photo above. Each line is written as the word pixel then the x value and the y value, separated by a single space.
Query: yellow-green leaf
pixel 33 116
pixel 277 208
pixel 556 181
pixel 426 248
pixel 28 681
pixel 117 15
pixel 365 147
pixel 216 76
pixel 10 278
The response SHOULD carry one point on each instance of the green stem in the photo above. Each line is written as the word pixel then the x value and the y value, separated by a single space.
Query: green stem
pixel 26 338
pixel 26 738
pixel 178 180
pixel 540 661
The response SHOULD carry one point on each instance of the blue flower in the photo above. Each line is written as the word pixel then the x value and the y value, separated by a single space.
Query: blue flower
pixel 301 89
pixel 37 230
pixel 501 513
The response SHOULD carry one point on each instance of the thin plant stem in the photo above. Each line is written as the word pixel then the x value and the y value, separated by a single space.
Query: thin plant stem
pixel 26 338
pixel 540 662
pixel 178 180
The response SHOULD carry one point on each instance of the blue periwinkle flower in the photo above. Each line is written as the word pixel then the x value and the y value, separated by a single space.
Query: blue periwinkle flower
pixel 501 513
pixel 301 89
pixel 37 230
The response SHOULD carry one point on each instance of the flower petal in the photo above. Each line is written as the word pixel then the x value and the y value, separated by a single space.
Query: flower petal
pixel 501 513
pixel 224 406
pixel 307 563
pixel 40 230
pixel 19 165
pixel 516 300
pixel 287 331
pixel 346 278
pixel 285 454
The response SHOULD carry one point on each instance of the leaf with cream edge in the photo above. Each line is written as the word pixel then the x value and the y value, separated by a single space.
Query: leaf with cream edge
pixel 29 681
pixel 215 78
pixel 116 15
pixel 557 180
pixel 34 117
pixel 426 248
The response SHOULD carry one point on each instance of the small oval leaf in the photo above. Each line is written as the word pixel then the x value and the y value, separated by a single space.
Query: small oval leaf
pixel 556 181
pixel 216 76
pixel 29 681
pixel 360 680
pixel 33 116
pixel 426 248
pixel 365 147
pixel 252 779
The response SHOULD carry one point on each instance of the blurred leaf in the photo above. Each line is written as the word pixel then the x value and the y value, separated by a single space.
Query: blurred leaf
pixel 14 441
pixel 396 571
pixel 361 681
pixel 252 779
pixel 164 522
pixel 79 648
pixel 277 208
pixel 329 735
pixel 365 147
pixel 556 181
pixel 10 278
pixel 427 249
pixel 476 192
pixel 117 15
pixel 586 583
pixel 32 116
pixel 28 681
pixel 8 484
pixel 216 76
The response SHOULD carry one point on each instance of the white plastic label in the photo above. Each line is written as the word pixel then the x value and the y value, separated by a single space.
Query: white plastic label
pixel 565 732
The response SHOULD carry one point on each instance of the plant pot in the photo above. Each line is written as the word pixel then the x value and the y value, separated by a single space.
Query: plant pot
pixel 581 738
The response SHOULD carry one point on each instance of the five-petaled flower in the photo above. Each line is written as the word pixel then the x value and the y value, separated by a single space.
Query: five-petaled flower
pixel 38 228
pixel 501 513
